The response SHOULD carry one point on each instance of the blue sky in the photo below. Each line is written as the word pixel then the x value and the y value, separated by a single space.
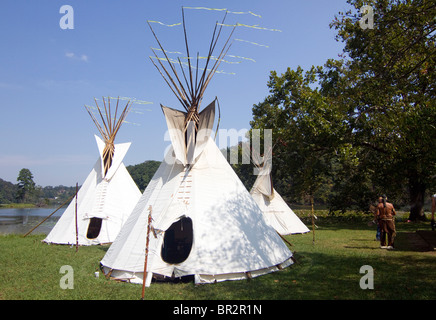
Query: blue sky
pixel 48 74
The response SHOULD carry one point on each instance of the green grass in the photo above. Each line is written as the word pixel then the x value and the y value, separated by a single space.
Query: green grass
pixel 326 269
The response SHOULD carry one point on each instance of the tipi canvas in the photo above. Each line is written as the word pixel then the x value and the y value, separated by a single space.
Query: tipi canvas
pixel 204 223
pixel 195 216
pixel 104 201
pixel 275 210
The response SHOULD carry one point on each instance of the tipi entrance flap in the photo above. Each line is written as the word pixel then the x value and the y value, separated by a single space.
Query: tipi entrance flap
pixel 174 212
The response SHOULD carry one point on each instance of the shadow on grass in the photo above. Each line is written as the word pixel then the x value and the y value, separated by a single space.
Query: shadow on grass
pixel 406 241
pixel 323 276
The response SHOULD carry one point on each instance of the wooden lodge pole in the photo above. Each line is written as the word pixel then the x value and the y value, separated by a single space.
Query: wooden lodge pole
pixel 144 276
pixel 77 230
pixel 313 219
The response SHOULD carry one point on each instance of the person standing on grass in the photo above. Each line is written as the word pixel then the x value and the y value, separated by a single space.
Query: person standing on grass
pixel 375 221
pixel 433 209
pixel 385 213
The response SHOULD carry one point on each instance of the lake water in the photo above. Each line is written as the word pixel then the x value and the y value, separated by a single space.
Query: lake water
pixel 21 221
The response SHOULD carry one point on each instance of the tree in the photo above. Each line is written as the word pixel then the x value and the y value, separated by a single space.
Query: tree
pixel 25 186
pixel 306 130
pixel 8 192
pixel 143 172
pixel 386 86
pixel 365 123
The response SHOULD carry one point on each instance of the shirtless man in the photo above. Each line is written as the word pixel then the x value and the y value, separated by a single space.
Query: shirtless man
pixel 385 213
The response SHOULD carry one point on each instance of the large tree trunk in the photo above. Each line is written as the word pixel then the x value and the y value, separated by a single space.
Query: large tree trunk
pixel 417 193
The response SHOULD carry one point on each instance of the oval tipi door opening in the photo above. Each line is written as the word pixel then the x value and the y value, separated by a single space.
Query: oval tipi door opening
pixel 177 242
pixel 94 228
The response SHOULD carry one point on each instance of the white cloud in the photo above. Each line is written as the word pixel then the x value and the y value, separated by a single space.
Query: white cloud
pixel 72 55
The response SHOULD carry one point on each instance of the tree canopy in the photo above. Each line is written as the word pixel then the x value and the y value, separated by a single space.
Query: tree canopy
pixel 143 172
pixel 365 123
pixel 26 185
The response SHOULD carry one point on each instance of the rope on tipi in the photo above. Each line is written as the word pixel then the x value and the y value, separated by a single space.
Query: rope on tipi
pixel 109 127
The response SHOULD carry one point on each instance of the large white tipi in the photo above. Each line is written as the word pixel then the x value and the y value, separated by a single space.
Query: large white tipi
pixel 107 196
pixel 276 211
pixel 195 217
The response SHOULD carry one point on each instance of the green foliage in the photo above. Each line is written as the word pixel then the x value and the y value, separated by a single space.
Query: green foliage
pixel 386 87
pixel 307 131
pixel 364 124
pixel 56 194
pixel 143 172
pixel 27 191
pixel 8 192
pixel 26 185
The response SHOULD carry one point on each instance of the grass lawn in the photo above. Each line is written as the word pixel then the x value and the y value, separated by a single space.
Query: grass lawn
pixel 328 269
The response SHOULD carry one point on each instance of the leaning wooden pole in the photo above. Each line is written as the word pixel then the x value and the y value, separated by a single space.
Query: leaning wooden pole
pixel 313 219
pixel 144 276
pixel 284 239
pixel 77 229
pixel 68 200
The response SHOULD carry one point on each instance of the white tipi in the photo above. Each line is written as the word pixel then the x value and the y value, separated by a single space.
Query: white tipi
pixel 276 211
pixel 195 216
pixel 107 196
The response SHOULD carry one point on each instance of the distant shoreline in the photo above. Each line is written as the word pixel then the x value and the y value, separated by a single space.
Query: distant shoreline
pixel 18 205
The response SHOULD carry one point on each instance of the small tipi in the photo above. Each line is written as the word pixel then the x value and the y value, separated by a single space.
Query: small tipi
pixel 275 210
pixel 107 196
pixel 195 217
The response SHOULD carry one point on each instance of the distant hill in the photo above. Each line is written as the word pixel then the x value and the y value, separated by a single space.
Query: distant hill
pixel 143 172
pixel 140 173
